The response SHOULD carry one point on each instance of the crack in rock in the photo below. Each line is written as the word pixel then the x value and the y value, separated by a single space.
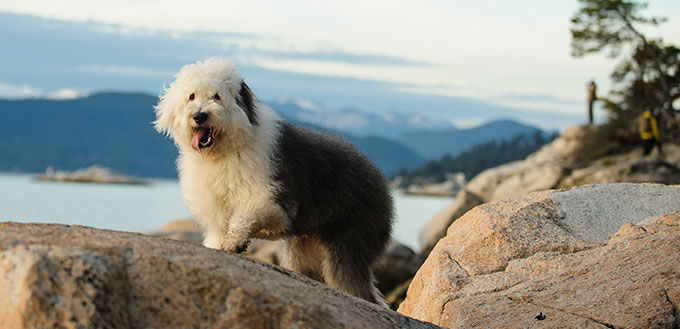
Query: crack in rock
pixel 676 321
pixel 529 301
pixel 457 263
pixel 461 267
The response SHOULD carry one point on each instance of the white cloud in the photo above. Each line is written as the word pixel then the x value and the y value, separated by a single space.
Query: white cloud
pixel 66 93
pixel 468 123
pixel 124 70
pixel 10 91
pixel 483 49
pixel 556 94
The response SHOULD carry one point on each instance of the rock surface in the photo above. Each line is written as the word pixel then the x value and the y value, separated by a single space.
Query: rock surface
pixel 57 276
pixel 188 230
pixel 436 227
pixel 577 157
pixel 555 259
pixel 181 230
pixel 397 267
pixel 628 167
pixel 394 272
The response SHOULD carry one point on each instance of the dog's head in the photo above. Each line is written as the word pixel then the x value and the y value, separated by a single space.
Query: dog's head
pixel 207 106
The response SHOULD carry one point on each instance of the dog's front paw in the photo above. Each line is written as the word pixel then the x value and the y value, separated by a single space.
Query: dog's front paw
pixel 242 247
pixel 235 246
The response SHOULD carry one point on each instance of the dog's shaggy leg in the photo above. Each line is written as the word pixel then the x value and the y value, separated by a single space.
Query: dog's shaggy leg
pixel 238 235
pixel 265 223
pixel 350 272
pixel 304 255
pixel 212 240
pixel 213 234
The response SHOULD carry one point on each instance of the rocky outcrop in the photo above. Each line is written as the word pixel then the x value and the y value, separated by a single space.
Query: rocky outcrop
pixel 579 156
pixel 436 227
pixel 569 258
pixel 627 167
pixel 393 272
pixel 541 170
pixel 181 230
pixel 57 276
pixel 188 230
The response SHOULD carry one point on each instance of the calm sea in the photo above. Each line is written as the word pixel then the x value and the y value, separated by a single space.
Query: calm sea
pixel 145 208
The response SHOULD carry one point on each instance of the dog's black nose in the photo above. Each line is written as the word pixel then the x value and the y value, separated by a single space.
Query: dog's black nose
pixel 200 117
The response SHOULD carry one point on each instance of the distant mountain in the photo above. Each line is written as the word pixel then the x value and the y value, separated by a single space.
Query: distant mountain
pixel 109 129
pixel 356 122
pixel 435 144
pixel 114 130
pixel 475 160
pixel 388 155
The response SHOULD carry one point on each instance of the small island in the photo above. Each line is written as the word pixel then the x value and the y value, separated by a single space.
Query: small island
pixel 92 174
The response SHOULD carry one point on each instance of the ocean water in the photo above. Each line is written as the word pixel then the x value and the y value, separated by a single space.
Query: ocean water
pixel 146 208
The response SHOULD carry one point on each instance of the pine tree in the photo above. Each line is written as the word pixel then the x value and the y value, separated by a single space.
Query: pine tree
pixel 648 76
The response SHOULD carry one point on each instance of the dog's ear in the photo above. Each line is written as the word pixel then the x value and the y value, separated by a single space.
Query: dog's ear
pixel 165 114
pixel 246 100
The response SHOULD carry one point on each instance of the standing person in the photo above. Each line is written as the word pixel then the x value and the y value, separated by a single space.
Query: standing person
pixel 649 133
pixel 592 96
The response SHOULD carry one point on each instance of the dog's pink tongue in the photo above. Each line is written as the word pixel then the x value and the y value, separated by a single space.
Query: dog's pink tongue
pixel 198 135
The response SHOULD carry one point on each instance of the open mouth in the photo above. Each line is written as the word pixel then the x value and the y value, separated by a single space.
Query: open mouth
pixel 203 138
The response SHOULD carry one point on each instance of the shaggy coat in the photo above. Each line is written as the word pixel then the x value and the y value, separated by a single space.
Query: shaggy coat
pixel 246 173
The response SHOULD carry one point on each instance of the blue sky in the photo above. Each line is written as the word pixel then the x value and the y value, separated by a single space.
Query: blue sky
pixel 465 62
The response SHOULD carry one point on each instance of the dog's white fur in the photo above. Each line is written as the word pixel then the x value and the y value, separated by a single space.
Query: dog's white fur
pixel 231 188
pixel 209 187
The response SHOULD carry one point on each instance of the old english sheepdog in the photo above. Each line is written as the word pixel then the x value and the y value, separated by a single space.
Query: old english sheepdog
pixel 246 173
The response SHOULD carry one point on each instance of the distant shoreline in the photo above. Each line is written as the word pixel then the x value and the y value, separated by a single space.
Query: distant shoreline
pixel 434 194
pixel 46 178
pixel 93 174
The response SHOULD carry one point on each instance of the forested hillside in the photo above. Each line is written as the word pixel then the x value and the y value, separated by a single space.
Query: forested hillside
pixel 475 160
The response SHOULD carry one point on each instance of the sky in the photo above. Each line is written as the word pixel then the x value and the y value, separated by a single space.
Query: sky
pixel 465 62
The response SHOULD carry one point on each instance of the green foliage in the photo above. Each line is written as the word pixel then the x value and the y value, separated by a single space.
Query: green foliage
pixel 475 160
pixel 110 129
pixel 639 86
pixel 647 77
pixel 436 143
pixel 605 23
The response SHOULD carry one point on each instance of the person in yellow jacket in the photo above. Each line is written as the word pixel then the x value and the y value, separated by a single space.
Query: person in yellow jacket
pixel 649 133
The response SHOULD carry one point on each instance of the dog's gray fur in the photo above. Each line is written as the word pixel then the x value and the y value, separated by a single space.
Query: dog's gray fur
pixel 340 207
